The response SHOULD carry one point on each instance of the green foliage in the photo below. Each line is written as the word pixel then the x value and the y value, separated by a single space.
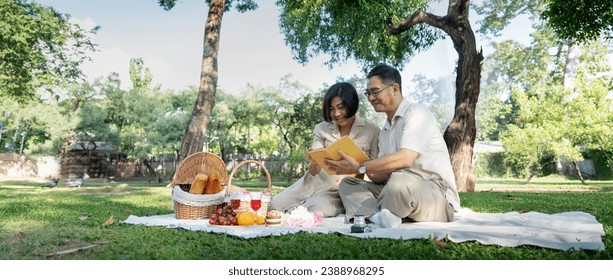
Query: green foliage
pixel 141 122
pixel 152 125
pixel 356 30
pixel 144 122
pixel 527 105
pixel 140 75
pixel 591 106
pixel 491 115
pixel 242 124
pixel 491 165
pixel 437 95
pixel 497 14
pixel 92 128
pixel 510 165
pixel 241 5
pixel 526 148
pixel 580 20
pixel 45 125
pixel 39 47
pixel 602 164
pixel 167 131
pixel 295 120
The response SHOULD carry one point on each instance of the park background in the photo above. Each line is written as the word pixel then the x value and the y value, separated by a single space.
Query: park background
pixel 543 116
pixel 125 120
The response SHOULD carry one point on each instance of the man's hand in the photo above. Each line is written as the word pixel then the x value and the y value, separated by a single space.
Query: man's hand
pixel 347 165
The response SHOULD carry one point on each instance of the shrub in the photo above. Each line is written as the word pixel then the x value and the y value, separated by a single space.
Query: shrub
pixel 603 169
pixel 491 165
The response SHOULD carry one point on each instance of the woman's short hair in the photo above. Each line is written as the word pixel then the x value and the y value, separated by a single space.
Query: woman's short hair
pixel 349 98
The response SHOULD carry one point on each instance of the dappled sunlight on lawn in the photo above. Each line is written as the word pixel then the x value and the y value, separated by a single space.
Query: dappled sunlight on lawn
pixel 22 225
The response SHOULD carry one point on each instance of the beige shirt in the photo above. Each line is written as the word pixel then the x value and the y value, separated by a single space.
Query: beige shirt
pixel 415 128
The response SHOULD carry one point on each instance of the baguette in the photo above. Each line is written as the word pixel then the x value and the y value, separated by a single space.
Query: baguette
pixel 200 182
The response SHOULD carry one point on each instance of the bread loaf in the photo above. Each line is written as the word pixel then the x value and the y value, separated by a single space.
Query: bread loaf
pixel 214 186
pixel 199 184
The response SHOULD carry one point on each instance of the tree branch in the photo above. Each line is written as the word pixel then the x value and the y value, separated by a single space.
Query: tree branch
pixel 69 251
pixel 417 18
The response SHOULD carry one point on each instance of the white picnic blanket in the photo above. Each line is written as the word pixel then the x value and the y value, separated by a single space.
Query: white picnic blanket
pixel 562 231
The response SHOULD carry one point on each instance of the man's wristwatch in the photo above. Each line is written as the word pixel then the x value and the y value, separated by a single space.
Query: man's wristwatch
pixel 362 168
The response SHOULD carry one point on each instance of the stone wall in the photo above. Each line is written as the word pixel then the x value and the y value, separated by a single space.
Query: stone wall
pixel 97 165
pixel 74 165
pixel 17 167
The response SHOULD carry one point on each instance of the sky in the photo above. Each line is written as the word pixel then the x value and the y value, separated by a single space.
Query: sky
pixel 251 52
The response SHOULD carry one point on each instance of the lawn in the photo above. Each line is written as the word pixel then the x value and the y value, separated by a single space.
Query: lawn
pixel 85 223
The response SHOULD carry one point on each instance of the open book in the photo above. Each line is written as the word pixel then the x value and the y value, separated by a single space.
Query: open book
pixel 331 152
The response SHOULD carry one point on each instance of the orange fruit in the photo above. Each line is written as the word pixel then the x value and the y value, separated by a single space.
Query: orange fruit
pixel 260 220
pixel 245 218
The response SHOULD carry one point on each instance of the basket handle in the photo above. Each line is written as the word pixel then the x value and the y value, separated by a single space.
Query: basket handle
pixel 243 163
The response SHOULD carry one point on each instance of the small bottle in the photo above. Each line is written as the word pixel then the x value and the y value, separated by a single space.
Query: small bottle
pixel 359 225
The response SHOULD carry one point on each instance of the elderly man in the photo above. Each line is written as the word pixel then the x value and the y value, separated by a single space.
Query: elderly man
pixel 412 177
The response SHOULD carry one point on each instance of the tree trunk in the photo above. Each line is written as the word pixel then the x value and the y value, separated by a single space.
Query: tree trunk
pixel 461 132
pixel 578 170
pixel 193 139
pixel 222 150
pixel 570 67
pixel 150 170
pixel 14 138
pixel 529 178
pixel 559 168
pixel 533 173
pixel 163 163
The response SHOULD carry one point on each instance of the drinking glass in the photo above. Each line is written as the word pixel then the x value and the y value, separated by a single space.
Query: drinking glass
pixel 256 200
pixel 235 200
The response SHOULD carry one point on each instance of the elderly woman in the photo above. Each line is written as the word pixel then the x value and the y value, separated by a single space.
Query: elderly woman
pixel 318 190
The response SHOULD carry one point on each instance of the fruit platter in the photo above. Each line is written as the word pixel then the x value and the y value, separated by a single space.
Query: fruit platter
pixel 227 216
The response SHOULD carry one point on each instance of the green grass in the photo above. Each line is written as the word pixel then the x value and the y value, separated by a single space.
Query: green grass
pixel 549 183
pixel 36 222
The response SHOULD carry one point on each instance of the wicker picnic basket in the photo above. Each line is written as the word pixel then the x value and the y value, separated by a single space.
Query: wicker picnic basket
pixel 197 206
pixel 245 205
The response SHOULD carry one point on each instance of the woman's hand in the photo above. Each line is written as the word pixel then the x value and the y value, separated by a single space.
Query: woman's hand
pixel 308 157
pixel 314 168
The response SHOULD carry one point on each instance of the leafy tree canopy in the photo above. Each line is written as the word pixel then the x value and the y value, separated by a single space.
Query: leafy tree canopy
pixel 581 20
pixel 38 47
pixel 353 30
pixel 497 14
pixel 578 20
pixel 241 5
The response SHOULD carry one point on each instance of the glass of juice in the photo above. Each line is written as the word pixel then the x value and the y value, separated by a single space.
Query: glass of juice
pixel 235 200
pixel 256 200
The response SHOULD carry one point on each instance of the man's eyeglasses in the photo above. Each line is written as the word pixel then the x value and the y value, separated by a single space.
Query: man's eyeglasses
pixel 368 93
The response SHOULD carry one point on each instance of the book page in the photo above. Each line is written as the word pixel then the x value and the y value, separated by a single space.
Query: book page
pixel 331 152
pixel 319 156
